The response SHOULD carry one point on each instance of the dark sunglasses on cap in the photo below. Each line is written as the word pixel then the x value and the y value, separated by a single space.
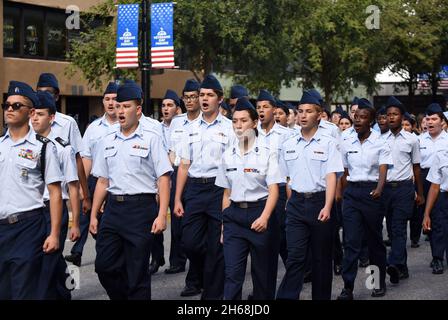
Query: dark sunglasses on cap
pixel 15 106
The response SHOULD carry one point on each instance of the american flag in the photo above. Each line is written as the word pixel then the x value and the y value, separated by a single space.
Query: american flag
pixel 162 49
pixel 127 42
pixel 425 85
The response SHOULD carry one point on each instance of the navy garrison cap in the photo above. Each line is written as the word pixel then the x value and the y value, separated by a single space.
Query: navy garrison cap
pixel 355 101
pixel 394 102
pixel 382 111
pixel 111 88
pixel 317 95
pixel 264 95
pixel 170 94
pixel 433 108
pixel 191 85
pixel 46 101
pixel 238 91
pixel 210 82
pixel 280 104
pixel 17 88
pixel 129 91
pixel 225 106
pixel 363 103
pixel 243 104
pixel 339 109
pixel 407 116
pixel 290 106
pixel 345 115
pixel 48 80
pixel 310 97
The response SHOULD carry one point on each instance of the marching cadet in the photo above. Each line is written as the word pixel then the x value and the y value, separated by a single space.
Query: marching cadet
pixel 178 259
pixel 311 161
pixel 434 139
pixel 437 205
pixel 203 146
pixel 66 128
pixel 281 114
pixel 328 127
pixel 366 159
pixel 53 276
pixel 381 121
pixel 351 130
pixel 237 91
pixel 250 175
pixel 132 167
pixel 97 130
pixel 28 162
pixel 399 193
pixel 273 136
pixel 291 116
pixel 345 122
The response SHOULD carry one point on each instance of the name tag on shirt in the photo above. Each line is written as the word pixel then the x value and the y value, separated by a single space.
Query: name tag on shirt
pixel 319 155
pixel 231 169
pixel 352 152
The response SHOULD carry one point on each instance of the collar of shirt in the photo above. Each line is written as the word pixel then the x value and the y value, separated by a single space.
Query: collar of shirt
pixel 442 135
pixel 164 124
pixel 137 132
pixel 274 129
pixel 103 121
pixel 372 137
pixel 317 136
pixel 187 121
pixel 402 133
pixel 217 120
pixel 30 137
pixel 254 149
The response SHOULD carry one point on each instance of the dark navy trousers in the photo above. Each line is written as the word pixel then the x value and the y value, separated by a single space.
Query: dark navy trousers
pixel 21 257
pixel 399 202
pixel 305 234
pixel 362 218
pixel 201 233
pixel 415 223
pixel 239 241
pixel 123 246
pixel 439 227
pixel 280 212
pixel 84 220
pixel 177 254
pixel 52 283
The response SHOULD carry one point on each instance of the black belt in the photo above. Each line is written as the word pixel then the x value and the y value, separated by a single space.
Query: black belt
pixel 396 184
pixel 202 180
pixel 361 184
pixel 17 217
pixel 135 197
pixel 309 195
pixel 246 205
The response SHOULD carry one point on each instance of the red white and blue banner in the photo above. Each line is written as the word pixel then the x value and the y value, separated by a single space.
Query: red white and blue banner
pixel 424 84
pixel 127 36
pixel 162 36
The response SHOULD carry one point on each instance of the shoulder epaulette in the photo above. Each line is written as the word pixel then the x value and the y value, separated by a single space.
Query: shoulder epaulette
pixel 42 139
pixel 62 142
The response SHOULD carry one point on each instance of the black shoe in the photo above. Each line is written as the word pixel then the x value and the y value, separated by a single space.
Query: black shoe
pixel 437 266
pixel 74 258
pixel 427 238
pixel 387 242
pixel 404 272
pixel 173 270
pixel 414 244
pixel 363 264
pixel 394 274
pixel 337 268
pixel 308 277
pixel 190 291
pixel 381 292
pixel 346 294
pixel 432 263
pixel 155 265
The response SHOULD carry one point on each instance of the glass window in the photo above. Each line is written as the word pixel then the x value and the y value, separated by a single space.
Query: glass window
pixel 56 35
pixel 11 30
pixel 33 32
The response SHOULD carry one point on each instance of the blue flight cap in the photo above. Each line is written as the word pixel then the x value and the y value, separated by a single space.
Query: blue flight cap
pixel 318 96
pixel 345 115
pixel 48 80
pixel 280 104
pixel 111 88
pixel 191 85
pixel 381 111
pixel 433 108
pixel 17 88
pixel 238 91
pixel 225 106
pixel 210 82
pixel 310 97
pixel 46 101
pixel 339 109
pixel 407 116
pixel 363 103
pixel 243 104
pixel 129 91
pixel 290 106
pixel 170 94
pixel 394 102
pixel 355 101
pixel 264 95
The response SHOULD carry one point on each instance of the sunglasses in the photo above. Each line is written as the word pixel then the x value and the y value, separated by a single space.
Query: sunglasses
pixel 15 106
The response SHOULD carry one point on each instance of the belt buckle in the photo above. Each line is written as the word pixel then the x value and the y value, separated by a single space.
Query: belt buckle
pixel 244 205
pixel 204 180
pixel 13 219
pixel 394 184
pixel 120 198
pixel 308 195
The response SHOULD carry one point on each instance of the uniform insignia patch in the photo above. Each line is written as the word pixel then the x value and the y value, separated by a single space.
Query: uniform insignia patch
pixel 110 148
pixel 27 154
pixel 231 169
pixel 221 134
pixel 318 152
pixel 247 170
pixel 193 134
pixel 291 151
pixel 137 146
pixel 62 142
pixel 352 152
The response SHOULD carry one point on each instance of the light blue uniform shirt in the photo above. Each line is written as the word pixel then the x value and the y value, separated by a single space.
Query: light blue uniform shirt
pixel 348 133
pixel 132 164
pixel 155 126
pixel 20 173
pixel 166 134
pixel 439 170
pixel 330 129
pixel 96 131
pixel 204 144
pixel 178 129
pixel 363 160
pixel 405 152
pixel 275 138
pixel 307 163
pixel 429 146
pixel 67 164
pixel 66 127
pixel 249 175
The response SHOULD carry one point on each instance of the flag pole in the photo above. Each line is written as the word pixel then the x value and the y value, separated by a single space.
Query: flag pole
pixel 146 62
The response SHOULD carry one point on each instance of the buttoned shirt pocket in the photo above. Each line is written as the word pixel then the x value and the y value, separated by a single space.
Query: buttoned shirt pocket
pixel 137 154
pixel 220 138
pixel 319 155
pixel 194 138
pixel 27 169
pixel 405 148
pixel 110 153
